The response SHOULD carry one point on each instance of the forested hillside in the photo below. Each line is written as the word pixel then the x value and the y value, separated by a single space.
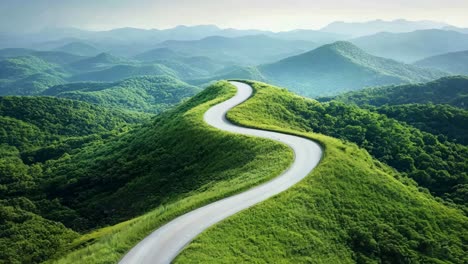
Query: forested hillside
pixel 151 94
pixel 33 132
pixel 448 90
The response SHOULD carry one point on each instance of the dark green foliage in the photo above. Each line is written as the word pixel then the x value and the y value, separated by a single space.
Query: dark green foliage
pixel 148 93
pixel 38 118
pixel 33 131
pixel 339 67
pixel 448 90
pixel 26 237
pixel 440 120
pixel 453 62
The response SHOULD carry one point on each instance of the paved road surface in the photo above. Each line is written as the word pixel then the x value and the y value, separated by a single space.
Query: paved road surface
pixel 164 244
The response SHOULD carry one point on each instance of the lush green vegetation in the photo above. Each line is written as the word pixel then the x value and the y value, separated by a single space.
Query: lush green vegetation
pixel 433 162
pixel 34 131
pixel 146 93
pixel 339 67
pixel 351 208
pixel 451 90
pixel 28 75
pixel 168 166
pixel 440 120
pixel 453 62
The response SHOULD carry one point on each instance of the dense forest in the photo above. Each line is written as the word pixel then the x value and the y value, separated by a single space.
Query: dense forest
pixel 152 94
pixel 451 90
pixel 34 131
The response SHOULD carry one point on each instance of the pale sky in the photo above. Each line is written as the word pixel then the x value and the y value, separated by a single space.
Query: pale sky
pixel 276 15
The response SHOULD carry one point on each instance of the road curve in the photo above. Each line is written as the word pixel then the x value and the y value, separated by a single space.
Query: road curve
pixel 165 243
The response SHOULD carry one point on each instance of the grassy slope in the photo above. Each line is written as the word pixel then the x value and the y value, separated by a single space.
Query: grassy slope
pixel 202 172
pixel 350 209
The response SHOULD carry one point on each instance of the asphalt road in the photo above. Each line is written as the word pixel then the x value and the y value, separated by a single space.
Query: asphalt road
pixel 165 243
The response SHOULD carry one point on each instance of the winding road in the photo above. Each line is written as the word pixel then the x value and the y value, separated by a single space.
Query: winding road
pixel 164 244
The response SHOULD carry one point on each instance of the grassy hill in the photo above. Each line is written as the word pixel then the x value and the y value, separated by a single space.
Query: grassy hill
pixel 174 163
pixel 147 93
pixel 413 46
pixel 453 62
pixel 448 90
pixel 351 208
pixel 339 67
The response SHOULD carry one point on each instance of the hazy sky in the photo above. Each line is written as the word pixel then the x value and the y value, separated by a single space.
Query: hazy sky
pixel 262 14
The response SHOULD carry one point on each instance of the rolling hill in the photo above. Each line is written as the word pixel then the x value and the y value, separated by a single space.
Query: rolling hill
pixel 352 208
pixel 33 131
pixel 413 46
pixel 123 71
pixel 453 62
pixel 338 67
pixel 451 90
pixel 28 75
pixel 151 94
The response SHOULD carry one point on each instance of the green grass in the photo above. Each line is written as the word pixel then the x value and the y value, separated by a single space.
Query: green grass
pixel 350 209
pixel 224 164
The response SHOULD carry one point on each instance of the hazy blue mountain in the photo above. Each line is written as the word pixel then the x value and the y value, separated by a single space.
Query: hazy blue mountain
pixel 316 36
pixel 98 62
pixel 338 67
pixel 412 46
pixel 79 48
pixel 458 29
pixel 453 62
pixel 158 54
pixel 248 50
pixel 371 27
